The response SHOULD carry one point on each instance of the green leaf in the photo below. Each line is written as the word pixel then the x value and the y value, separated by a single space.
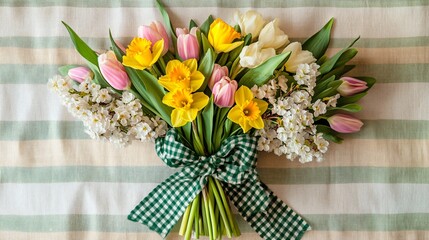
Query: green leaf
pixel 319 42
pixel 233 55
pixel 351 99
pixel 205 27
pixel 205 43
pixel 264 72
pixel 86 52
pixel 206 67
pixel 346 56
pixel 323 84
pixel 352 107
pixel 167 21
pixel 115 48
pixel 187 133
pixel 329 91
pixel 208 115
pixel 64 70
pixel 328 133
pixel 192 24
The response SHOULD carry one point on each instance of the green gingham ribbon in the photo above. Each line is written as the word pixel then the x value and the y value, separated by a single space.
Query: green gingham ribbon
pixel 235 166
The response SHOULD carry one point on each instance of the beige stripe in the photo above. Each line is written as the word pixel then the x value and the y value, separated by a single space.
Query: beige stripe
pixel 104 236
pixel 70 56
pixel 310 235
pixel 400 55
pixel 350 22
pixel 353 152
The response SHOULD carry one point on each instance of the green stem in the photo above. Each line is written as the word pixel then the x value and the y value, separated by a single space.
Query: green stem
pixel 197 218
pixel 191 217
pixel 221 207
pixel 207 213
pixel 226 205
pixel 197 143
pixel 204 213
pixel 162 65
pixel 212 212
pixel 184 221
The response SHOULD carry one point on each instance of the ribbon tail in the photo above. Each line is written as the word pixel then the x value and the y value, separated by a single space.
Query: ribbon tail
pixel 162 208
pixel 276 221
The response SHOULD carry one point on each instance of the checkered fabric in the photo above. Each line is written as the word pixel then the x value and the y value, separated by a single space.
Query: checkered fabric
pixel 235 166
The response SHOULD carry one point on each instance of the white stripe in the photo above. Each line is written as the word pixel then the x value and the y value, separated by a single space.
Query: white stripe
pixel 31 102
pixel 34 102
pixel 350 22
pixel 120 198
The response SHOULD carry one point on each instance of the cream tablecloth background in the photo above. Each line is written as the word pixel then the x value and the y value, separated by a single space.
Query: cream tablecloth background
pixel 55 183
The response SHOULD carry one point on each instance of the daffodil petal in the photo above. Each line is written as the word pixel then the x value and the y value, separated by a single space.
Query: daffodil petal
pixel 131 62
pixel 235 114
pixel 197 79
pixel 200 100
pixel 258 123
pixel 168 99
pixel 171 65
pixel 165 82
pixel 157 49
pixel 190 114
pixel 191 64
pixel 262 105
pixel 243 95
pixel 229 47
pixel 177 118
pixel 245 125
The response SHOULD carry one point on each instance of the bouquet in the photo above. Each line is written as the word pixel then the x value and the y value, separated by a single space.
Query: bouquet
pixel 210 96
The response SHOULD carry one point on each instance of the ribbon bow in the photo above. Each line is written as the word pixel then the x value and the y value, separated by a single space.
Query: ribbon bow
pixel 235 166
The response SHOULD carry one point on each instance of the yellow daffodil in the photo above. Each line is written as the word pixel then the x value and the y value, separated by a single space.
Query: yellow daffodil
pixel 221 36
pixel 186 105
pixel 182 75
pixel 248 110
pixel 141 54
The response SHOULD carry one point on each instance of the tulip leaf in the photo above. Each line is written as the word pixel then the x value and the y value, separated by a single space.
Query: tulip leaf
pixel 205 27
pixel 233 55
pixel 322 85
pixel 329 134
pixel 351 99
pixel 319 42
pixel 205 44
pixel 340 58
pixel 207 117
pixel 86 52
pixel 206 67
pixel 64 70
pixel 167 21
pixel 264 72
pixel 352 107
pixel 118 52
pixel 329 91
pixel 192 24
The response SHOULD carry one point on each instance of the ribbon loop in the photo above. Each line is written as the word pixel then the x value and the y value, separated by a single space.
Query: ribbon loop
pixel 235 165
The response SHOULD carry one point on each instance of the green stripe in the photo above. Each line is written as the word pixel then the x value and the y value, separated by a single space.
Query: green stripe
pixel 156 174
pixel 384 73
pixel 104 43
pixel 115 223
pixel 45 130
pixel 214 3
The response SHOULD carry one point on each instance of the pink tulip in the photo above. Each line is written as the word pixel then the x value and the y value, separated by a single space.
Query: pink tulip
pixel 217 73
pixel 80 74
pixel 113 71
pixel 344 123
pixel 351 86
pixel 187 44
pixel 224 91
pixel 155 32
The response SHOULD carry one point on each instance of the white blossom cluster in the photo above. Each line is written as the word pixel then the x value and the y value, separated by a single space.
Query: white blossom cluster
pixel 289 122
pixel 106 115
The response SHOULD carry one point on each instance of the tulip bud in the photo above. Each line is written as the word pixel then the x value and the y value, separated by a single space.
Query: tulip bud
pixel 351 86
pixel 297 56
pixel 113 71
pixel 155 32
pixel 224 91
pixel 252 56
pixel 217 73
pixel 344 123
pixel 80 74
pixel 187 44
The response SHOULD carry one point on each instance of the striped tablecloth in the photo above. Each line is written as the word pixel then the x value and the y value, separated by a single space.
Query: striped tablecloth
pixel 56 183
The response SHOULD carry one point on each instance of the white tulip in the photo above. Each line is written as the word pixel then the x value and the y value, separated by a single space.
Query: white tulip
pixel 249 22
pixel 272 36
pixel 253 55
pixel 297 56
